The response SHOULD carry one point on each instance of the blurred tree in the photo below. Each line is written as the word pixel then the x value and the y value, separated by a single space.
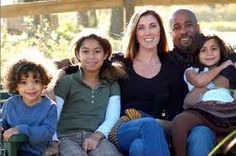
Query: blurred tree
pixel 117 23
pixel 87 18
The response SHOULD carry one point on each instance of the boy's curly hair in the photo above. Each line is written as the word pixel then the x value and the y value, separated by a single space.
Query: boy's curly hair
pixel 22 68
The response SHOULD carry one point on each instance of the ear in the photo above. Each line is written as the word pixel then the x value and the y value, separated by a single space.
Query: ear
pixel 77 57
pixel 105 56
pixel 198 28
pixel 171 34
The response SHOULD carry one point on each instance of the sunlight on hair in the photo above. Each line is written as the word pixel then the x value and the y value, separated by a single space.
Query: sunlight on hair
pixel 85 32
pixel 36 56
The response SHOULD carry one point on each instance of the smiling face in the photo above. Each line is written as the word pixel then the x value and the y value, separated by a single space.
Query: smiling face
pixel 30 88
pixel 148 32
pixel 91 55
pixel 183 28
pixel 210 53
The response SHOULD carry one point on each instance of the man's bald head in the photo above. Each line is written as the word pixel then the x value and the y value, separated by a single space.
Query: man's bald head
pixel 183 27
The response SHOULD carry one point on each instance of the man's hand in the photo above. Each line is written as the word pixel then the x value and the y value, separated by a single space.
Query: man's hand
pixel 52 150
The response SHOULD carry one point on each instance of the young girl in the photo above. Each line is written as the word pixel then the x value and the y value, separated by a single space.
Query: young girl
pixel 89 99
pixel 27 112
pixel 217 107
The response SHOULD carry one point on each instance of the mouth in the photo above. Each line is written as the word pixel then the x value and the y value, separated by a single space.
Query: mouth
pixel 92 63
pixel 32 94
pixel 210 59
pixel 186 39
pixel 148 39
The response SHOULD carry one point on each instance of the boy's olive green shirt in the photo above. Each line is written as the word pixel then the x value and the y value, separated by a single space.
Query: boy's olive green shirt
pixel 84 108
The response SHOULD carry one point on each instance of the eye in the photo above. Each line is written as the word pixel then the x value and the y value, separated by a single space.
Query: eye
pixel 140 27
pixel 215 48
pixel 203 50
pixel 85 51
pixel 153 25
pixel 98 51
pixel 37 81
pixel 188 25
pixel 176 27
pixel 22 82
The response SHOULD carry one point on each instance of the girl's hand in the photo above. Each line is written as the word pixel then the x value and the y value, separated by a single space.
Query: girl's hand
pixel 8 133
pixel 91 142
pixel 226 64
pixel 52 150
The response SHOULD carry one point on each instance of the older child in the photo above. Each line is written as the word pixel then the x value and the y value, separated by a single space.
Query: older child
pixel 27 112
pixel 217 107
pixel 89 99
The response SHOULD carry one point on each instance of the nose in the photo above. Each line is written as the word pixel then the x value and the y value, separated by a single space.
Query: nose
pixel 209 52
pixel 183 29
pixel 147 31
pixel 30 85
pixel 90 54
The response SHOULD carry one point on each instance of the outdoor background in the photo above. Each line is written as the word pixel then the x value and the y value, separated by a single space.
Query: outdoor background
pixel 52 34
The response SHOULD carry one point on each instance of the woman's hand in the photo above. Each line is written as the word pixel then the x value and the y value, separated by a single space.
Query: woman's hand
pixel 52 150
pixel 8 133
pixel 91 142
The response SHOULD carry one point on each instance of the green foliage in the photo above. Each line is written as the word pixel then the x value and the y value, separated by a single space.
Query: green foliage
pixel 53 43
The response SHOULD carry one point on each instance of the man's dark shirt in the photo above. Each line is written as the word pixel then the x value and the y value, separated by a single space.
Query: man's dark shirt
pixel 230 72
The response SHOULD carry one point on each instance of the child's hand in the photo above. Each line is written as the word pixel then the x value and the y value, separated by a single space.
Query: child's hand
pixel 8 133
pixel 234 64
pixel 91 142
pixel 52 149
pixel 226 64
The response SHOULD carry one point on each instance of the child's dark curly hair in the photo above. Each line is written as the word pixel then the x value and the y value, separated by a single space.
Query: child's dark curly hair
pixel 22 68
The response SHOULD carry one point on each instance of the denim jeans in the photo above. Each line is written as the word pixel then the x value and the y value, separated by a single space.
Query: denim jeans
pixel 142 137
pixel 201 141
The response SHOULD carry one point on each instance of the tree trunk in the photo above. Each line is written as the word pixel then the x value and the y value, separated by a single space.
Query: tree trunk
pixel 117 20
